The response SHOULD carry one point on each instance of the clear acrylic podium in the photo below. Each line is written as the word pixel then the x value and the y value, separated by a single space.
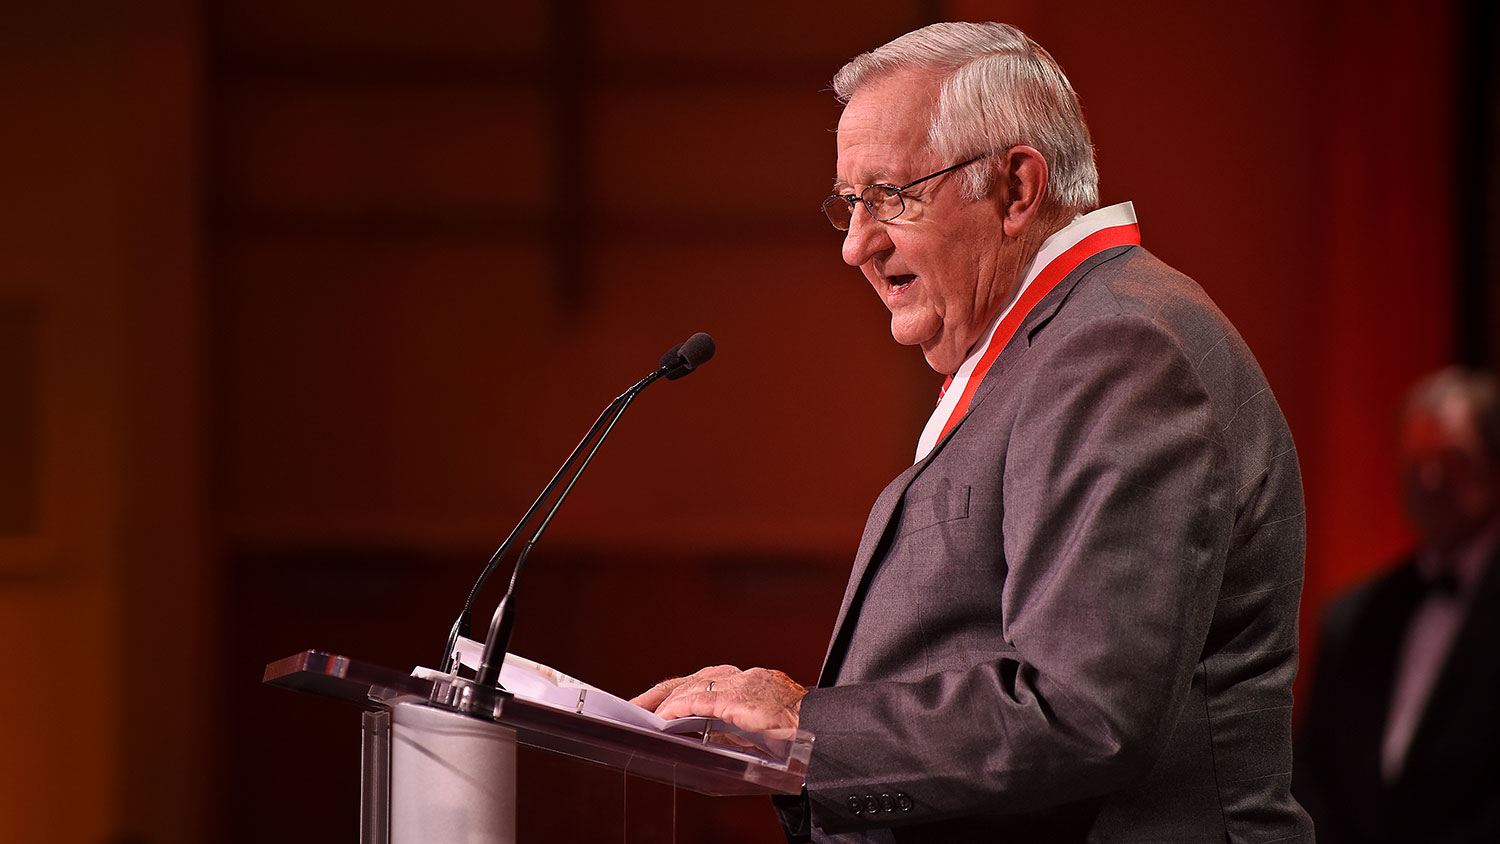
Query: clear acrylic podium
pixel 438 760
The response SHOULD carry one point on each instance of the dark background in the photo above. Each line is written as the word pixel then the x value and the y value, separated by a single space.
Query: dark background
pixel 301 303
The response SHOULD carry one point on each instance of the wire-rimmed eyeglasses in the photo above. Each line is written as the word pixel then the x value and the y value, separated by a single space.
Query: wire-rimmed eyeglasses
pixel 884 202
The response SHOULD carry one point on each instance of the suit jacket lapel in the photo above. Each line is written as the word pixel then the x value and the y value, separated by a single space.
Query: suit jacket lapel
pixel 877 528
pixel 1472 653
pixel 1373 657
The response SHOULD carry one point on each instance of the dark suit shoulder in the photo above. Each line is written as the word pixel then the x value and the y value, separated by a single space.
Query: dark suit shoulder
pixel 1350 614
pixel 1137 282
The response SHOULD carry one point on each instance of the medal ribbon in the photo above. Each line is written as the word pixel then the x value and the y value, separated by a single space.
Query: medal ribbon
pixel 1055 271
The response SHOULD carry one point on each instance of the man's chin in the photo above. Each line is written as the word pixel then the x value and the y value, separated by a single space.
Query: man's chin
pixel 909 334
pixel 925 336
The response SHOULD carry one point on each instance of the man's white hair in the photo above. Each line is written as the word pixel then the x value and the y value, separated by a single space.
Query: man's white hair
pixel 999 89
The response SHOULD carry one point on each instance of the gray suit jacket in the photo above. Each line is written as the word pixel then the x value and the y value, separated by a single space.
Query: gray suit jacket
pixel 1076 619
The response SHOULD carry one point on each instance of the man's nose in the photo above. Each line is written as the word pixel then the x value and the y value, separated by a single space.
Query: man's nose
pixel 865 239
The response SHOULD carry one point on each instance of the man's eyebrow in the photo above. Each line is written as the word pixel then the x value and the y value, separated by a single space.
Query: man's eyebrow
pixel 878 178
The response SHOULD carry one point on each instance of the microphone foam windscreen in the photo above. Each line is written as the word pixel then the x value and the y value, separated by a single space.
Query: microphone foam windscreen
pixel 698 350
pixel 672 357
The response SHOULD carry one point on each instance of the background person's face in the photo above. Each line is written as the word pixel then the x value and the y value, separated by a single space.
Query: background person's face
pixel 1448 478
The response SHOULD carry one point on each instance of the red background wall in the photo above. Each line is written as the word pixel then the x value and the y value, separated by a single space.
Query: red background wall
pixel 319 294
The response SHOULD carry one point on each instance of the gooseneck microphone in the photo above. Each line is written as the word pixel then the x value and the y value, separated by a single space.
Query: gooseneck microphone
pixel 687 356
pixel 678 361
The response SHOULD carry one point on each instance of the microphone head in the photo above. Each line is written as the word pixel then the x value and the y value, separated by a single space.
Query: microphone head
pixel 688 355
pixel 698 350
pixel 671 357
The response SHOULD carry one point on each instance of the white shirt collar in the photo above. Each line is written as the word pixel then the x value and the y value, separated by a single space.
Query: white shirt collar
pixel 1056 244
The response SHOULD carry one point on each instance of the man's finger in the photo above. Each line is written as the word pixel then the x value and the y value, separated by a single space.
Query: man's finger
pixel 652 697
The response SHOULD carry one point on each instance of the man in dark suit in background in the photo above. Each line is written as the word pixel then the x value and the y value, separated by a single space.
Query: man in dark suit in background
pixel 1401 739
pixel 1074 618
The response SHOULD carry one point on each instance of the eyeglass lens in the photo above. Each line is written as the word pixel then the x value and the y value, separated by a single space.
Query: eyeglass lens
pixel 839 210
pixel 882 201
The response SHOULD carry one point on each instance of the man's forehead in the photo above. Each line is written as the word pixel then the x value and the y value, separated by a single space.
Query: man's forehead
pixel 884 132
pixel 898 103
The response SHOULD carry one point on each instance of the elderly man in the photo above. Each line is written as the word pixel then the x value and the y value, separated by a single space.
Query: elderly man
pixel 1401 743
pixel 1074 618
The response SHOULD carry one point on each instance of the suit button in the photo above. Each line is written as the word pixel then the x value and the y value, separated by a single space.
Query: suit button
pixel 887 803
pixel 871 804
pixel 903 801
pixel 855 804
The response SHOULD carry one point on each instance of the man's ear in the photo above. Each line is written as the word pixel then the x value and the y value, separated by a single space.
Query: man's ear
pixel 1024 186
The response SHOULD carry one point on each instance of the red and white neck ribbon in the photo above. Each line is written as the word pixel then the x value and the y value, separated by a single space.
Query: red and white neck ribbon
pixel 1061 253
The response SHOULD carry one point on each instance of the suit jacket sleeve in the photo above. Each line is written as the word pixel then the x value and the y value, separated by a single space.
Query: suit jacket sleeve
pixel 1100 514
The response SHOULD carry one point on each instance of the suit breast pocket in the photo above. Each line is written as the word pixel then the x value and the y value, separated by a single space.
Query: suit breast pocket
pixel 944 505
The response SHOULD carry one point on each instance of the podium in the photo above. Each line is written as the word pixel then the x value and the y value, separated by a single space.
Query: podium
pixel 438 750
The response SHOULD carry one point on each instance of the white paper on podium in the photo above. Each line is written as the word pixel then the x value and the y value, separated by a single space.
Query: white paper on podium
pixel 536 682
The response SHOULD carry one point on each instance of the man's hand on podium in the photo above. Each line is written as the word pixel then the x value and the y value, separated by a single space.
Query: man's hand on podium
pixel 759 700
